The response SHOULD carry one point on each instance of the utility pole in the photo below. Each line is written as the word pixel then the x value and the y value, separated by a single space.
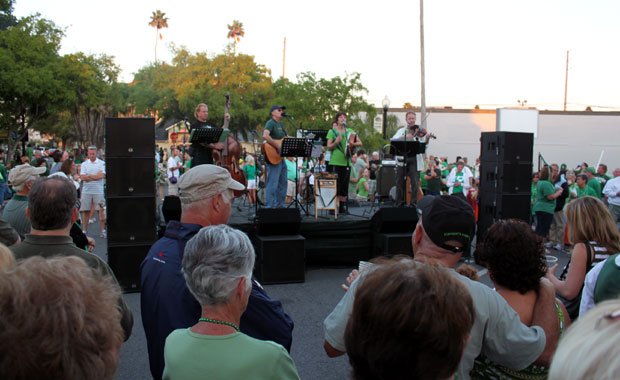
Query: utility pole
pixel 566 82
pixel 423 85
pixel 284 58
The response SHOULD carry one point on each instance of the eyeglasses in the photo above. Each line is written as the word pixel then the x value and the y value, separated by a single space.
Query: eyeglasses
pixel 612 317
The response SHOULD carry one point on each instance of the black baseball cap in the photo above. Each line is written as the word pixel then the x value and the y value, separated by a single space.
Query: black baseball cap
pixel 273 108
pixel 446 218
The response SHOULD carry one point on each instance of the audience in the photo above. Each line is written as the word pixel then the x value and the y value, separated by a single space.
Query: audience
pixel 590 350
pixel 594 236
pixel 400 311
pixel 217 266
pixel 59 320
pixel 22 177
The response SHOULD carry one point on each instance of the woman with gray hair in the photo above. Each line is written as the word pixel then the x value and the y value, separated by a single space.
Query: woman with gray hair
pixel 217 266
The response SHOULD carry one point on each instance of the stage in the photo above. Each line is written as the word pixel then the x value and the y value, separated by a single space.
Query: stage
pixel 347 240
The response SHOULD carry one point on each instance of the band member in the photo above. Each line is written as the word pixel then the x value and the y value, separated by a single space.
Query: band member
pixel 275 188
pixel 410 132
pixel 340 141
pixel 201 152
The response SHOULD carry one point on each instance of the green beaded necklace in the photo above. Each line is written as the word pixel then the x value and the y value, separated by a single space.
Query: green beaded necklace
pixel 219 323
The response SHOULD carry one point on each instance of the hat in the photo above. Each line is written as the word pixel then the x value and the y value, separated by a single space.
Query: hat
pixel 204 181
pixel 446 218
pixel 590 169
pixel 273 108
pixel 20 174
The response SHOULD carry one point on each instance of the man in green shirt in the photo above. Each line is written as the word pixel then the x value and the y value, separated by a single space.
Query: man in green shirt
pixel 275 188
pixel 592 182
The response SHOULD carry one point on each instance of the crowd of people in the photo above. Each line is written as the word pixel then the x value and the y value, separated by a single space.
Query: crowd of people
pixel 63 314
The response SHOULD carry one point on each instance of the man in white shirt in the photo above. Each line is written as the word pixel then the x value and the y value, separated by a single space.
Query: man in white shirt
pixel 92 172
pixel 612 192
pixel 173 172
pixel 408 133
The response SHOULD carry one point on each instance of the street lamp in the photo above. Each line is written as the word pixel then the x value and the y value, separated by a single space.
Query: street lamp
pixel 386 105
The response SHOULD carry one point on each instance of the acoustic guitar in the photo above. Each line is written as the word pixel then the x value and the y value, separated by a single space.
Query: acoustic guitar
pixel 271 153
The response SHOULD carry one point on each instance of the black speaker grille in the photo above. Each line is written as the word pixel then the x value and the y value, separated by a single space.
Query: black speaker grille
pixel 130 137
pixel 131 220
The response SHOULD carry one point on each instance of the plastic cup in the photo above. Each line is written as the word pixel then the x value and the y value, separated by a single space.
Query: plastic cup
pixel 551 260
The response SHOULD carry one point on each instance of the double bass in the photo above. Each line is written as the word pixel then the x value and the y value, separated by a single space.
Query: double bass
pixel 228 158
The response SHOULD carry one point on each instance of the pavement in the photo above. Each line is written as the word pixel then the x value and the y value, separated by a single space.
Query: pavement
pixel 308 303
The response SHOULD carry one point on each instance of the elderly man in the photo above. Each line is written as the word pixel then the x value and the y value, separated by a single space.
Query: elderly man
pixel 612 192
pixel 22 177
pixel 445 229
pixel 51 210
pixel 275 190
pixel 92 172
pixel 206 192
pixel 200 152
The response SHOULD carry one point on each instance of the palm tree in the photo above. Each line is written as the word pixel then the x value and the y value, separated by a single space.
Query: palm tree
pixel 158 21
pixel 235 31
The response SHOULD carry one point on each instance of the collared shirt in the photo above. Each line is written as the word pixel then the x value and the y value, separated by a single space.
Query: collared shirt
pixel 92 168
pixel 611 191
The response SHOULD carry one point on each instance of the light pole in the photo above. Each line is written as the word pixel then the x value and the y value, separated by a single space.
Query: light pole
pixel 386 105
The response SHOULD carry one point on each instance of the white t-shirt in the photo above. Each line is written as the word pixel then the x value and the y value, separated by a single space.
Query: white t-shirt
pixel 89 167
pixel 172 163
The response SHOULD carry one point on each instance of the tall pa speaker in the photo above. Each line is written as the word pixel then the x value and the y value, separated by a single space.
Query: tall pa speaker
pixel 130 195
pixel 505 178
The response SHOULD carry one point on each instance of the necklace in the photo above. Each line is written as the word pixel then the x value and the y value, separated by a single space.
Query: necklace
pixel 219 323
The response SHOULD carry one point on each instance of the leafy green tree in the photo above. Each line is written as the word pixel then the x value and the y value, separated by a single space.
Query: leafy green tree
pixel 31 85
pixel 158 21
pixel 6 14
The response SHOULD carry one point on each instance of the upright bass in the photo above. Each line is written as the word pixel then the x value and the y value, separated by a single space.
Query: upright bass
pixel 228 158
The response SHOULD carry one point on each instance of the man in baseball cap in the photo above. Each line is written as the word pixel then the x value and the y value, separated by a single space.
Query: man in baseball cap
pixel 21 177
pixel 277 181
pixel 444 230
pixel 206 193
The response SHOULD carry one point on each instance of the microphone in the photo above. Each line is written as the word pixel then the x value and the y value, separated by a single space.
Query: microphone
pixel 344 124
pixel 284 114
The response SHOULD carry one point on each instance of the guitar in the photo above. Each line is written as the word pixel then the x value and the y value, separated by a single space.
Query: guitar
pixel 271 154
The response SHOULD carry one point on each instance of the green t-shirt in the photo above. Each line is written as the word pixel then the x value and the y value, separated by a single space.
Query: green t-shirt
pixel 3 175
pixel 458 178
pixel 434 185
pixel 235 356
pixel 291 170
pixel 544 204
pixel 337 158
pixel 276 130
pixel 250 171
pixel 596 186
pixel 361 189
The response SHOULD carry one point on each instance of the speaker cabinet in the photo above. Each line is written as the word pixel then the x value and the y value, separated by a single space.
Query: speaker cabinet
pixel 278 221
pixel 493 207
pixel 131 220
pixel 280 259
pixel 386 179
pixel 395 220
pixel 130 176
pixel 390 244
pixel 505 177
pixel 125 263
pixel 130 137
pixel 506 146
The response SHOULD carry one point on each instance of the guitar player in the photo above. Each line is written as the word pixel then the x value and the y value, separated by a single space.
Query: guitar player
pixel 275 188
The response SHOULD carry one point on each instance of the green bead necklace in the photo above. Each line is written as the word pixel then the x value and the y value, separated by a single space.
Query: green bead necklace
pixel 219 323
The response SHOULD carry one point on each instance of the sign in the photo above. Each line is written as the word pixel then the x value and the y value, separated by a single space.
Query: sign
pixel 174 136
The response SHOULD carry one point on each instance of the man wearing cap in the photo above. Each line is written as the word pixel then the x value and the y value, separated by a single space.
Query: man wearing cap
pixel 92 172
pixel 22 177
pixel 592 181
pixel 206 192
pixel 201 152
pixel 445 228
pixel 275 188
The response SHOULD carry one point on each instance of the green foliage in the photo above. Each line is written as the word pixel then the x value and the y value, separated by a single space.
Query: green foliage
pixel 6 14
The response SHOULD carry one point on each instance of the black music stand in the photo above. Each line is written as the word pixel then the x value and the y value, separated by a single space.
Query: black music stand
pixel 406 148
pixel 205 135
pixel 296 147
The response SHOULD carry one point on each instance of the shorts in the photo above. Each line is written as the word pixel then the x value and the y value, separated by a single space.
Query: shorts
pixel 88 199
pixel 251 184
pixel 290 189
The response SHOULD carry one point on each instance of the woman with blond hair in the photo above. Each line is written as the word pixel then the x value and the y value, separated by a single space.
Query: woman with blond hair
pixel 594 236
pixel 251 173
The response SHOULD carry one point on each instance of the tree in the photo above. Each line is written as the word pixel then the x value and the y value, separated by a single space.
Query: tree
pixel 6 14
pixel 235 31
pixel 158 21
pixel 31 85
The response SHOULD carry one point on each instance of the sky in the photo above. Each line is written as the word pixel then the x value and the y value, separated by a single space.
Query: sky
pixel 490 53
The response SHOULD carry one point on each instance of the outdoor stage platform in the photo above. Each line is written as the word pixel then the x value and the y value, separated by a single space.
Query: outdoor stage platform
pixel 352 237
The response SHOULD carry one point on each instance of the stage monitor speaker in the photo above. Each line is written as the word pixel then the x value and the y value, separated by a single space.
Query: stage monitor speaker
pixel 130 137
pixel 280 259
pixel 278 221
pixel 395 219
pixel 389 244
pixel 171 208
pixel 493 207
pixel 386 179
pixel 131 220
pixel 125 263
pixel 130 176
pixel 507 146
pixel 504 177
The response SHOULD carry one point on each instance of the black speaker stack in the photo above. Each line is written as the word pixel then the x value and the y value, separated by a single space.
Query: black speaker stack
pixel 280 250
pixel 392 230
pixel 130 196
pixel 505 178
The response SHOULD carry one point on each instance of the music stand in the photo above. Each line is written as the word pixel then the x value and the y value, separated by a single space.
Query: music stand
pixel 296 147
pixel 406 148
pixel 205 135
